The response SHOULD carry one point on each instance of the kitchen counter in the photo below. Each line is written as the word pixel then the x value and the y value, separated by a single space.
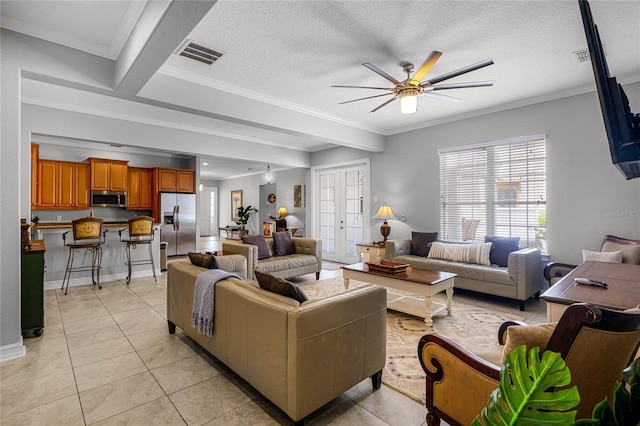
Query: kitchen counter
pixel 113 255
pixel 51 224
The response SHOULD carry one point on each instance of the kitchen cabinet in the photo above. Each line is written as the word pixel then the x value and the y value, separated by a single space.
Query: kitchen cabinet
pixel 108 175
pixel 63 185
pixel 140 190
pixel 176 180
pixel 74 186
pixel 35 154
pixel 47 186
pixel 32 289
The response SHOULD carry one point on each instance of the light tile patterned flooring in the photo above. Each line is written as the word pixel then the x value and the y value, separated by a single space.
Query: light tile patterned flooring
pixel 107 358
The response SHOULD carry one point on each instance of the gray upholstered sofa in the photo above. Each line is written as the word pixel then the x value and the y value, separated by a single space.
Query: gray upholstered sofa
pixel 520 280
pixel 299 356
pixel 307 258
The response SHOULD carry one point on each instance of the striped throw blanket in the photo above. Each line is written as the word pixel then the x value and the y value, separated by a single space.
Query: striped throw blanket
pixel 204 299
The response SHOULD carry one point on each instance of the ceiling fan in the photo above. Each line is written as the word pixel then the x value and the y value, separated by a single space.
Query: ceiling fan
pixel 409 89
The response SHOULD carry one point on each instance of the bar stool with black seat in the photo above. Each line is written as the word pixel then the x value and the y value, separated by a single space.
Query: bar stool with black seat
pixel 140 232
pixel 87 235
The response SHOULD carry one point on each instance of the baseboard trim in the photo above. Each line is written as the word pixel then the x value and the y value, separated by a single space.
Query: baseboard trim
pixel 12 351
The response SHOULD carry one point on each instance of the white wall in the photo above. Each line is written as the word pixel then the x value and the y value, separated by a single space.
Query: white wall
pixel 250 185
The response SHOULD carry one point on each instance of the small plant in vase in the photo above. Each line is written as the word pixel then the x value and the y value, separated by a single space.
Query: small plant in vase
pixel 244 214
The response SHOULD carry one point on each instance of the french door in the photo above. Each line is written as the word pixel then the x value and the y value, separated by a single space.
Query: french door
pixel 342 210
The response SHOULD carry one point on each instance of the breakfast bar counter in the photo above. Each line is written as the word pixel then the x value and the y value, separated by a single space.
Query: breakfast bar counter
pixel 113 254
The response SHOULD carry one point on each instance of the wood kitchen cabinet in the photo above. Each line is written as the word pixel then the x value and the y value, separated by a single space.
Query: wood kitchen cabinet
pixel 140 190
pixel 74 185
pixel 108 175
pixel 63 185
pixel 47 186
pixel 175 180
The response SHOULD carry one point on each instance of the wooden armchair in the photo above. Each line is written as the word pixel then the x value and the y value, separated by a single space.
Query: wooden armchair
pixel 596 343
pixel 630 254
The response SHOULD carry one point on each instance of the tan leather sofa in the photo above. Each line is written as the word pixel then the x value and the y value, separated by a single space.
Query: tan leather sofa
pixel 521 279
pixel 307 259
pixel 299 356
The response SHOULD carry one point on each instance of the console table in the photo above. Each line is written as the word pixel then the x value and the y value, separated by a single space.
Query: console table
pixel 229 229
pixel 370 251
pixel 622 292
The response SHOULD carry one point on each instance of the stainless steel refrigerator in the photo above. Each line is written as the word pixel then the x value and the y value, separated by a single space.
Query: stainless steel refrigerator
pixel 178 227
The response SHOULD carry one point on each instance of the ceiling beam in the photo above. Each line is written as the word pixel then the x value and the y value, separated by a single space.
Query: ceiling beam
pixel 160 30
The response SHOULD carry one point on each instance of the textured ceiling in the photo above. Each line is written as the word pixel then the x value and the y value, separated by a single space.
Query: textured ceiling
pixel 281 58
pixel 294 51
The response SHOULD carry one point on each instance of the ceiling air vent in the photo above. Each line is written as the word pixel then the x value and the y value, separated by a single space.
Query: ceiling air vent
pixel 583 55
pixel 189 49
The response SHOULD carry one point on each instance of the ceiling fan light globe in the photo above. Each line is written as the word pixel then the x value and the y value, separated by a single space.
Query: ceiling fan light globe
pixel 408 104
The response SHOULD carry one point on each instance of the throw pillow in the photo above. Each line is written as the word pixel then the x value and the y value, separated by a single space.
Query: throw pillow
pixel 602 256
pixel 502 246
pixel 630 252
pixel 467 253
pixel 280 286
pixel 283 243
pixel 420 242
pixel 258 240
pixel 204 260
pixel 530 335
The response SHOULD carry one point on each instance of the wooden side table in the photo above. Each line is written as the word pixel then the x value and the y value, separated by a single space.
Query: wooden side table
pixel 370 252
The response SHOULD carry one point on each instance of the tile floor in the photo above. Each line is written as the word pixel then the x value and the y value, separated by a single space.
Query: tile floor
pixel 107 358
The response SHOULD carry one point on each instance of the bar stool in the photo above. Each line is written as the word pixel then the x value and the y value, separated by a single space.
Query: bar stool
pixel 140 232
pixel 87 235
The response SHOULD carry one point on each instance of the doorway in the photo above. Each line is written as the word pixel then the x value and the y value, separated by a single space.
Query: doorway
pixel 208 211
pixel 341 218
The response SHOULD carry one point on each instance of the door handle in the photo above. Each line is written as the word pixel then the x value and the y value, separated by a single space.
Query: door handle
pixel 178 218
pixel 175 218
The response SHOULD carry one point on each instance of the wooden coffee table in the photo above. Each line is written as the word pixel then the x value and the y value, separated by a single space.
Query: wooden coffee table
pixel 622 292
pixel 418 281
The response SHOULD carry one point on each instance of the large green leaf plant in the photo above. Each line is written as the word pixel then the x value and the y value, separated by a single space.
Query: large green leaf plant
pixel 528 394
pixel 626 401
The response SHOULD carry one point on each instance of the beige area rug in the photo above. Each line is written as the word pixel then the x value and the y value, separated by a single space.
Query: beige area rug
pixel 475 328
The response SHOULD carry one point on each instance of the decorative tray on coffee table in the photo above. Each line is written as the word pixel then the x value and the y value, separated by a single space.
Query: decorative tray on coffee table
pixel 388 266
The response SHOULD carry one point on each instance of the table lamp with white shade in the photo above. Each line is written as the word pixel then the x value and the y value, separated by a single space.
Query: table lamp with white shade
pixel 385 212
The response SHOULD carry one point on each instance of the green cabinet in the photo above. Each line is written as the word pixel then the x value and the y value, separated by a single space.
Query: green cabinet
pixel 32 289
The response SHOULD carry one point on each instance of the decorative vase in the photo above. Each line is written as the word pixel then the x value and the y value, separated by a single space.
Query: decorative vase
pixel 243 233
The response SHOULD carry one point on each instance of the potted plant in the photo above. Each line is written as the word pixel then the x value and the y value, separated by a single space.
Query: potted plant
pixel 541 231
pixel 528 393
pixel 244 213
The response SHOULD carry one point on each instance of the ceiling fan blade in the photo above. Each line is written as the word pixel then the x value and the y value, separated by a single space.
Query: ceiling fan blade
pixel 425 67
pixel 363 87
pixel 384 104
pixel 463 85
pixel 457 72
pixel 441 97
pixel 382 73
pixel 362 99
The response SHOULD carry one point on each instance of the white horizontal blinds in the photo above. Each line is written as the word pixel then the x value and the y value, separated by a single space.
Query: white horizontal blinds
pixel 502 184
pixel 463 191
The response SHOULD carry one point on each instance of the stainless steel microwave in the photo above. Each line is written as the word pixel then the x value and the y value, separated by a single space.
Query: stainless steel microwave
pixel 108 199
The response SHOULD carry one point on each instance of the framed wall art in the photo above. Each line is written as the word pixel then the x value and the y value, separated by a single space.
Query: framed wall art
pixel 236 201
pixel 297 195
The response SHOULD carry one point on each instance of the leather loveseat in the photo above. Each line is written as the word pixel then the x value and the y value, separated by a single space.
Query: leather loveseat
pixel 306 259
pixel 520 279
pixel 299 356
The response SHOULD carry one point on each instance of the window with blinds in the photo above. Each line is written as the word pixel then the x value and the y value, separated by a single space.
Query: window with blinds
pixel 501 184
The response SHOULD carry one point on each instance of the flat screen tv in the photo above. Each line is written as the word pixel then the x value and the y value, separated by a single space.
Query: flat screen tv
pixel 622 126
